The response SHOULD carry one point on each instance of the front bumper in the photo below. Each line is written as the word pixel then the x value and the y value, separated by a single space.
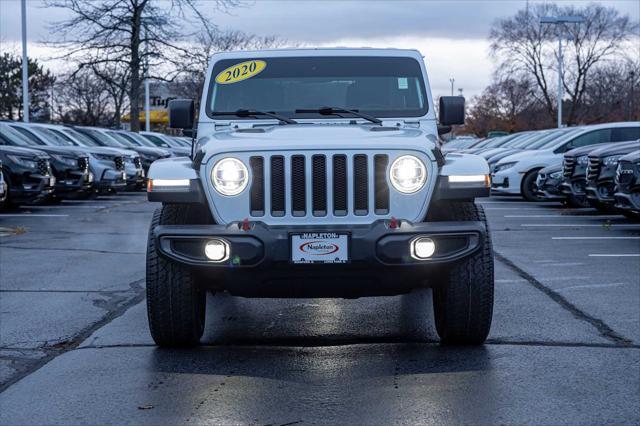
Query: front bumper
pixel 380 262
pixel 506 182
pixel 73 183
pixel 32 188
pixel 628 200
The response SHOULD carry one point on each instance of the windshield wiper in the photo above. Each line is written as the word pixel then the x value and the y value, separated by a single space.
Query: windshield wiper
pixel 336 111
pixel 252 112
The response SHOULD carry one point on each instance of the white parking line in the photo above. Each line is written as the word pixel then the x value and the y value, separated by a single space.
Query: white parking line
pixel 33 215
pixel 616 255
pixel 511 208
pixel 595 238
pixel 574 287
pixel 577 225
pixel 564 215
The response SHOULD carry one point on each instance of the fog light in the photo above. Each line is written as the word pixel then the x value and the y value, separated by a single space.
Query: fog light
pixel 422 248
pixel 216 250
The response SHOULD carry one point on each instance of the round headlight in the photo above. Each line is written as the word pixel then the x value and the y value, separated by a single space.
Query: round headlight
pixel 408 174
pixel 230 176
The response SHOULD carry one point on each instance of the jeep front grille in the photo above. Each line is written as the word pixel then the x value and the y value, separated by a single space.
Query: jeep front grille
pixel 593 169
pixel 568 166
pixel 347 183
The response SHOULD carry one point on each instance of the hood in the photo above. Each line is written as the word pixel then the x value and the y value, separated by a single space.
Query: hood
pixel 632 156
pixel 616 149
pixel 500 155
pixel 552 169
pixel 584 150
pixel 107 150
pixel 147 150
pixel 70 151
pixel 27 152
pixel 498 151
pixel 315 137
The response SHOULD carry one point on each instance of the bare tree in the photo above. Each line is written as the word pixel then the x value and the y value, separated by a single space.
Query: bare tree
pixel 131 34
pixel 82 99
pixel 527 49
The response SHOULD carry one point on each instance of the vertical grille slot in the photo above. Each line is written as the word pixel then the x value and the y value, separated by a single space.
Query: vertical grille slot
pixel 381 187
pixel 568 166
pixel 319 185
pixel 43 166
pixel 298 192
pixel 593 169
pixel 257 186
pixel 119 163
pixel 360 185
pixel 340 185
pixel 277 186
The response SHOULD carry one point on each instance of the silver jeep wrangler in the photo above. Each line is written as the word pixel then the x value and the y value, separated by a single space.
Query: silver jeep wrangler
pixel 318 173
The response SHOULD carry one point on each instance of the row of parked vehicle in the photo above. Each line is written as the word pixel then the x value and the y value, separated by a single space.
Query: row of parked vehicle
pixel 594 165
pixel 42 163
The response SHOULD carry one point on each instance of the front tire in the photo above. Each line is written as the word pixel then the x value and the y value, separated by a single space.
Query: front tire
pixel 463 303
pixel 528 189
pixel 176 304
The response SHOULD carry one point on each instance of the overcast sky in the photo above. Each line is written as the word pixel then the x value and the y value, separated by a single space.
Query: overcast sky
pixel 452 35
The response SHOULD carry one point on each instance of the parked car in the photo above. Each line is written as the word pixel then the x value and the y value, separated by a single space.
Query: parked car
pixel 574 172
pixel 349 201
pixel 601 173
pixel 535 141
pixel 516 174
pixel 25 173
pixel 70 165
pixel 549 183
pixel 163 141
pixel 460 143
pixel 627 181
pixel 136 178
pixel 148 151
pixel 106 164
pixel 493 143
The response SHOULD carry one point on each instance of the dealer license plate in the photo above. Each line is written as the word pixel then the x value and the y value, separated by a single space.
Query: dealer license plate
pixel 320 247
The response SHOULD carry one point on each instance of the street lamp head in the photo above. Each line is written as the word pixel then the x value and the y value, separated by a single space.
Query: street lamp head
pixel 548 20
pixel 570 19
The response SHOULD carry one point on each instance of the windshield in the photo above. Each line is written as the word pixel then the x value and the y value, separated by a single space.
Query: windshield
pixel 102 139
pixel 137 138
pixel 53 137
pixel 124 141
pixel 80 137
pixel 14 137
pixel 157 141
pixel 560 140
pixel 380 86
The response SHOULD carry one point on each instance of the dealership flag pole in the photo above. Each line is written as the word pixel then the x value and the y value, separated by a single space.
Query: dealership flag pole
pixel 25 66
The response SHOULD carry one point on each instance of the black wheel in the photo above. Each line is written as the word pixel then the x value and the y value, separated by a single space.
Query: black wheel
pixel 631 215
pixel 528 188
pixel 5 201
pixel 463 302
pixel 176 304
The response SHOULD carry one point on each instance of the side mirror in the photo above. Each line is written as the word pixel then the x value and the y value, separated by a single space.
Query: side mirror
pixel 443 130
pixel 181 113
pixel 451 110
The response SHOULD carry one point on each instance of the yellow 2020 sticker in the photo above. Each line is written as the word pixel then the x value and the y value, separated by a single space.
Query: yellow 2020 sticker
pixel 241 71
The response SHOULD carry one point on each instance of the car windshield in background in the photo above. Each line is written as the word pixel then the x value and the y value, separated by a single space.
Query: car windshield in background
pixel 141 140
pixel 79 137
pixel 377 86
pixel 52 137
pixel 15 137
pixel 121 139
pixel 157 141
pixel 103 139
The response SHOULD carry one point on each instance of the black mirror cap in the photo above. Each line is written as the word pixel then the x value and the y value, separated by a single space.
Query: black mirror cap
pixel 181 113
pixel 451 110
pixel 443 130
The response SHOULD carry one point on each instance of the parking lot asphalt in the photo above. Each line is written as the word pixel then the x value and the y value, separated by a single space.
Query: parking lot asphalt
pixel 75 347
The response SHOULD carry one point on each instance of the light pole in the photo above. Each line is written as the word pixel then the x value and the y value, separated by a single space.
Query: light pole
pixel 559 21
pixel 25 65
pixel 147 105
pixel 452 80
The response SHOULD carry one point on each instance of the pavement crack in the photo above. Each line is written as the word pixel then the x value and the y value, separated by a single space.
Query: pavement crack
pixel 604 330
pixel 72 343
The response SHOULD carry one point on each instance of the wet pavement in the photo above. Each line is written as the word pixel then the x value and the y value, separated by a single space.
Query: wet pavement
pixel 75 347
